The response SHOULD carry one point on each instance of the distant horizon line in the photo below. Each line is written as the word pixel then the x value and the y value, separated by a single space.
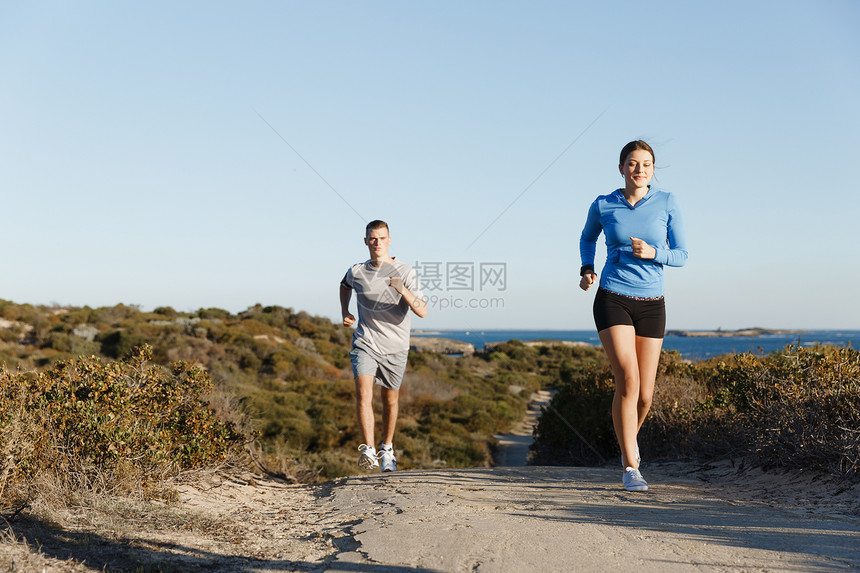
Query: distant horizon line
pixel 798 330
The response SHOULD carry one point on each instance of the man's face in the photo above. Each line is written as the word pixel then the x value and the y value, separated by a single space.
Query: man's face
pixel 377 241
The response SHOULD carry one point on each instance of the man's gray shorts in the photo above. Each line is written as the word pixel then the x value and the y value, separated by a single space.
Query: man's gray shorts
pixel 387 369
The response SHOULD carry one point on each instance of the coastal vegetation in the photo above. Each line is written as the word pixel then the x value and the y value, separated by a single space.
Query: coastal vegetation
pixel 116 401
pixel 280 379
pixel 798 408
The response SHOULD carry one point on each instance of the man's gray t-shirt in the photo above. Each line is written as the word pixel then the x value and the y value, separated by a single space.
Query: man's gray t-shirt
pixel 384 317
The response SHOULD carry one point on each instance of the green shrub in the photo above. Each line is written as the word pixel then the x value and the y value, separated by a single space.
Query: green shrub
pixel 796 409
pixel 577 428
pixel 165 311
pixel 119 342
pixel 213 314
pixel 112 426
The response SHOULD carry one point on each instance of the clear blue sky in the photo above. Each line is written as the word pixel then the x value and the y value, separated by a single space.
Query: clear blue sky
pixel 147 159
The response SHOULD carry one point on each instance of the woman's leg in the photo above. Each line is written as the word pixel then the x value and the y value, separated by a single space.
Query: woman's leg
pixel 620 343
pixel 648 357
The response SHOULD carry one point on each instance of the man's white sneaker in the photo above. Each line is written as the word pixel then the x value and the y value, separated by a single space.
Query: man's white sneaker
pixel 368 458
pixel 633 480
pixel 389 463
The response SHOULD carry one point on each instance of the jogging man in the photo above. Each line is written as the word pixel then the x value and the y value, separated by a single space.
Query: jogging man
pixel 386 290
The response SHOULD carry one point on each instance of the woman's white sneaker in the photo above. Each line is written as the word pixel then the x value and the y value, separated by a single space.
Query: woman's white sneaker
pixel 633 480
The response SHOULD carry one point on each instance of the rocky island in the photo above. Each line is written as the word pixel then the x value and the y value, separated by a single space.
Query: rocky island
pixel 745 332
pixel 544 342
pixel 441 345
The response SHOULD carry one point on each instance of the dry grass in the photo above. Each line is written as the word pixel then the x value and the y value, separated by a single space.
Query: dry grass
pixel 18 555
pixel 229 521
pixel 96 533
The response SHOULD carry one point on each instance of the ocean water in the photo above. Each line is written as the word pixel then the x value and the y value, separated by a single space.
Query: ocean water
pixel 694 348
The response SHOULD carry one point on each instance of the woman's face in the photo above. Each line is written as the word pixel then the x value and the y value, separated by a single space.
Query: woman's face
pixel 637 169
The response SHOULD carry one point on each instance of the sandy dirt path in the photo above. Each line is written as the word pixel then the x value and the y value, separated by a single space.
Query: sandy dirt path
pixel 488 519
pixel 572 519
pixel 513 448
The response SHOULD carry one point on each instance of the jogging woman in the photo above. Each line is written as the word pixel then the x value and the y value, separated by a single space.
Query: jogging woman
pixel 644 232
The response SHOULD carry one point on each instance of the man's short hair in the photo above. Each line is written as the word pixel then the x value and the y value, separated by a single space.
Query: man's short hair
pixel 375 224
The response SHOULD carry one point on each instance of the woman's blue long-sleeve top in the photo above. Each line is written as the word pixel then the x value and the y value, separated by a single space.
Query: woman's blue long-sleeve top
pixel 656 219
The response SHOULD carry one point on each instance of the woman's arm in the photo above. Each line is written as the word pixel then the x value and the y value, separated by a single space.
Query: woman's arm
pixel 588 238
pixel 676 253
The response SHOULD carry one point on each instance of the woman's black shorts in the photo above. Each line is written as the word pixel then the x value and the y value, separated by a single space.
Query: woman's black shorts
pixel 646 316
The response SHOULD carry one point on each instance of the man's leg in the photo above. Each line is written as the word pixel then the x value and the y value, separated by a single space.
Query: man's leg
pixel 364 407
pixel 390 401
pixel 390 408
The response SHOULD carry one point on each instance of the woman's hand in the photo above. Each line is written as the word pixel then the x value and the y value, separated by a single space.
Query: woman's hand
pixel 641 249
pixel 587 280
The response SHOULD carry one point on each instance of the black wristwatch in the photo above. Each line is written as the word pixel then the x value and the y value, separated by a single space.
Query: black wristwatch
pixel 586 269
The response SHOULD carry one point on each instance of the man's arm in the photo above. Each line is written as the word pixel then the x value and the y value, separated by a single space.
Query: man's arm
pixel 345 296
pixel 417 305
